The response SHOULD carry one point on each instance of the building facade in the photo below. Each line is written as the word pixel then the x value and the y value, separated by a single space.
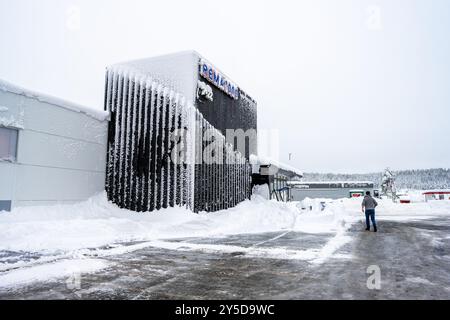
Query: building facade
pixel 51 151
pixel 330 190
pixel 441 194
pixel 167 138
pixel 275 176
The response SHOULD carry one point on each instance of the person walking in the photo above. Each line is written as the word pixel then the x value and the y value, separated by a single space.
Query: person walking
pixel 368 207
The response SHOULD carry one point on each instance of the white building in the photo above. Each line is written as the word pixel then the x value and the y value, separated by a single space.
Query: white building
pixel 329 189
pixel 51 151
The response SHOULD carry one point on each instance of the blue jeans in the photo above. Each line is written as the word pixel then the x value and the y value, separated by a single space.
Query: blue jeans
pixel 370 213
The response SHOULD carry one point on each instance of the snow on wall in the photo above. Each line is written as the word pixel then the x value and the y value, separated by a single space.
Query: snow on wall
pixel 156 146
pixel 11 121
pixel 9 87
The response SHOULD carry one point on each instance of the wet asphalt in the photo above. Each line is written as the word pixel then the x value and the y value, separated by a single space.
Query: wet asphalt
pixel 413 258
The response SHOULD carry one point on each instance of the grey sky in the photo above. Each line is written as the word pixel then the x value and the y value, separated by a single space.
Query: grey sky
pixel 352 86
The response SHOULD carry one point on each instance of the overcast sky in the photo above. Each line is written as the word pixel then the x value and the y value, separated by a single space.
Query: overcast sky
pixel 352 86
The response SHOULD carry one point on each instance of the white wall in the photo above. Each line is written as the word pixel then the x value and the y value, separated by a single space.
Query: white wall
pixel 61 155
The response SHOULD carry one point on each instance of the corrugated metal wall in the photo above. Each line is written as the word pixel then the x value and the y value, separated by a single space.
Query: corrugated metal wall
pixel 145 171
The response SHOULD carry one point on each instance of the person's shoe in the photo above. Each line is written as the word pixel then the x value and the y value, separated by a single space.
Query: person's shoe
pixel 375 229
pixel 367 229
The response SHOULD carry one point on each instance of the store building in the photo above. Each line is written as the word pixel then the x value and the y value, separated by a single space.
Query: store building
pixel 51 151
pixel 329 189
pixel 275 176
pixel 441 194
pixel 169 140
pixel 175 131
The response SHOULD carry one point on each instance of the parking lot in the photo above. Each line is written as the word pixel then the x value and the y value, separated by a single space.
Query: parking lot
pixel 413 258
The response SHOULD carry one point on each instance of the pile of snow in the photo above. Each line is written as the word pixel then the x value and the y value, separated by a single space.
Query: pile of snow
pixel 97 222
pixel 73 238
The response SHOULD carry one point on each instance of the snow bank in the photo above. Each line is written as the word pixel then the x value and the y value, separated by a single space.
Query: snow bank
pixel 74 238
pixel 97 222
pixel 95 113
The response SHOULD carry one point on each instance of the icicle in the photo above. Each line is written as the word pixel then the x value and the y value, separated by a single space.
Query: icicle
pixel 108 91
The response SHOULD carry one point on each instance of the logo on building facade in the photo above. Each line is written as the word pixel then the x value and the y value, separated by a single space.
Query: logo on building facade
pixel 204 91
pixel 211 74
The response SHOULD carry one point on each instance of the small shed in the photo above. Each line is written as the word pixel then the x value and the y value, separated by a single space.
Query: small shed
pixel 275 175
pixel 437 195
pixel 356 193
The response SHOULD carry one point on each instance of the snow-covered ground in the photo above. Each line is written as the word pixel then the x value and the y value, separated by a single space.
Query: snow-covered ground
pixel 46 241
pixel 97 222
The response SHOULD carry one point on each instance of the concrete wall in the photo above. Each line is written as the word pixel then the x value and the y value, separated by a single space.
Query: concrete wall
pixel 61 153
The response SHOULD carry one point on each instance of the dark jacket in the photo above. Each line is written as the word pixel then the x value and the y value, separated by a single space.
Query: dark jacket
pixel 369 202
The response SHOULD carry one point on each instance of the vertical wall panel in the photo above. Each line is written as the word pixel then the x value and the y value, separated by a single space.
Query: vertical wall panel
pixel 133 146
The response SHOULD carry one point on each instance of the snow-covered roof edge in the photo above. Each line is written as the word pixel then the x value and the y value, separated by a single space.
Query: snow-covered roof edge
pixel 137 75
pixel 436 191
pixel 127 67
pixel 262 160
pixel 344 181
pixel 155 58
pixel 100 115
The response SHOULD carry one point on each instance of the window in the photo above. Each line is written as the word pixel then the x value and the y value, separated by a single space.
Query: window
pixel 8 144
pixel 5 205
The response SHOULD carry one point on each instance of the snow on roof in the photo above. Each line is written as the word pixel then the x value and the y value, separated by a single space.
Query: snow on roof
pixel 172 71
pixel 436 191
pixel 263 160
pixel 12 88
pixel 165 69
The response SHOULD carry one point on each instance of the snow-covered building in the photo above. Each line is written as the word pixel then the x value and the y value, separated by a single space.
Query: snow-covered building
pixel 51 151
pixel 169 141
pixel 440 194
pixel 275 175
pixel 329 189
pixel 175 131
